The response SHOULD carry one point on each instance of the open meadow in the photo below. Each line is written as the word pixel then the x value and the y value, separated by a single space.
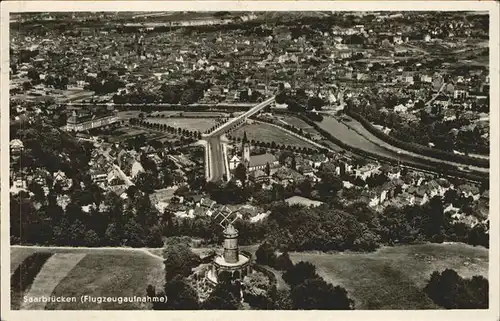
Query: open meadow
pixel 267 133
pixel 393 277
pixel 94 272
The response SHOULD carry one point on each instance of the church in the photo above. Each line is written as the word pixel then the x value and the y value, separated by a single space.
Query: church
pixel 252 162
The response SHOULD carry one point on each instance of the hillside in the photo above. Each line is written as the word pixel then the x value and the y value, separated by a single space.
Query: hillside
pixel 393 277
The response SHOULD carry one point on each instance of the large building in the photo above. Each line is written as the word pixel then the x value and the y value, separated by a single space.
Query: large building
pixel 252 162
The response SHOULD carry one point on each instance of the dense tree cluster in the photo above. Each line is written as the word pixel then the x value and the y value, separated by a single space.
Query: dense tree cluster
pixel 299 101
pixel 91 218
pixel 225 296
pixel 179 260
pixel 324 228
pixel 186 93
pixel 432 127
pixel 450 291
pixel 254 97
pixel 309 291
pixel 427 223
pixel 52 149
pixel 179 293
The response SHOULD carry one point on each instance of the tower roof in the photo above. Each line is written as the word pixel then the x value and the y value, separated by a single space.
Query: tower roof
pixel 245 139
pixel 230 230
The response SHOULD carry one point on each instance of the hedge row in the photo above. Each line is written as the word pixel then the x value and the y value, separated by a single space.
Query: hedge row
pixel 416 148
pixel 431 166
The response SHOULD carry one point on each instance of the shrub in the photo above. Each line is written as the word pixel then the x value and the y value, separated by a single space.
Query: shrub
pixel 283 262
pixel 265 254
pixel 451 291
pixel 319 295
pixel 299 273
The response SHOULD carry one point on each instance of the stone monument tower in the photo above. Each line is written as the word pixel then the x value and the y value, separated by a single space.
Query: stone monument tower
pixel 231 244
pixel 237 264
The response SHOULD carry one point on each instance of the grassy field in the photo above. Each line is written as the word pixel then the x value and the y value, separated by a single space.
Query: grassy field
pixel 201 124
pixel 393 277
pixel 113 275
pixel 299 123
pixel 267 133
pixel 95 272
pixel 52 272
pixel 295 121
pixel 350 137
pixel 127 114
pixel 17 256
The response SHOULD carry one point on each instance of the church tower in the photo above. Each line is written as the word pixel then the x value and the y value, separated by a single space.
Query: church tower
pixel 245 147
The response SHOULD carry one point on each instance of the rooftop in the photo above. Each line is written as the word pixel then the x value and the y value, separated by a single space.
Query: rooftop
pixel 263 159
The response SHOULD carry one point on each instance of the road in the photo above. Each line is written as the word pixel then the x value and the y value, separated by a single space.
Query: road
pixel 216 158
pixel 216 161
pixel 241 118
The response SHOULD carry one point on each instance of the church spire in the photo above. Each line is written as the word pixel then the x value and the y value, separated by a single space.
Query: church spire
pixel 245 148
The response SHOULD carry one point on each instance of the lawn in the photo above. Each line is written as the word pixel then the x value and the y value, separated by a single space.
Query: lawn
pixel 53 271
pixel 295 121
pixel 350 137
pixel 17 256
pixel 268 133
pixel 96 272
pixel 393 277
pixel 201 124
pixel 299 123
pixel 111 275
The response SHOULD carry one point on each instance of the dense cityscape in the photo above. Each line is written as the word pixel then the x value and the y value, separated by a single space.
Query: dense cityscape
pixel 250 160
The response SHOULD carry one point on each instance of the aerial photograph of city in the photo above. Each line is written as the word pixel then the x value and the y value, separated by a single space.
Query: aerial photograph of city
pixel 249 160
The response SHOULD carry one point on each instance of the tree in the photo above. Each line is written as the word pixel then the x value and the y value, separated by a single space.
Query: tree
pixel 320 295
pixel 91 238
pixel 283 301
pixel 315 103
pixel 241 173
pixel 306 187
pixel 179 260
pixel 293 163
pixel 449 290
pixel 283 262
pixel 268 169
pixel 180 296
pixel 330 183
pixel 225 296
pixel 258 291
pixel 265 255
pixel 37 190
pixel 112 235
pixel 299 273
